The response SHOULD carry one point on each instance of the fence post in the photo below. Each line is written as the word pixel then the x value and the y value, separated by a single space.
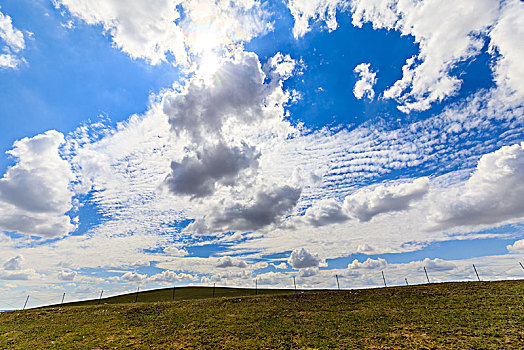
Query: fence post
pixel 256 286
pixel 63 297
pixel 100 298
pixel 295 284
pixel 25 304
pixel 137 291
pixel 426 272
pixel 521 265
pixel 214 284
pixel 384 278
pixel 174 288
pixel 338 285
pixel 407 284
pixel 476 272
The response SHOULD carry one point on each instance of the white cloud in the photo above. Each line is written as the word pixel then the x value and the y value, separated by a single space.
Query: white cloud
pixel 268 207
pixel 367 203
pixel 217 165
pixel 493 193
pixel 14 263
pixel 367 79
pixel 302 258
pixel 434 265
pixel 369 264
pixel 516 247
pixel 167 276
pixel 154 30
pixel 13 40
pixel 308 272
pixel 175 251
pixel 306 11
pixel 227 261
pixel 447 32
pixel 66 275
pixel 325 212
pixel 273 278
pixel 35 193
pixel 132 277
pixel 18 275
pixel 221 118
pixel 506 38
pixel 282 265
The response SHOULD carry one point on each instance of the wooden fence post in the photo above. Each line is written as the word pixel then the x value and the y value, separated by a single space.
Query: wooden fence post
pixel 100 298
pixel 63 297
pixel 295 284
pixel 25 304
pixel 426 272
pixel 338 285
pixel 476 272
pixel 384 278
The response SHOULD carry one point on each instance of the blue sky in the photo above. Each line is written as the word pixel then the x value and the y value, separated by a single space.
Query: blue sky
pixel 186 142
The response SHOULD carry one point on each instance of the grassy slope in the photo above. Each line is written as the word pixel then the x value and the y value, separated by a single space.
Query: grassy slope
pixel 181 293
pixel 473 315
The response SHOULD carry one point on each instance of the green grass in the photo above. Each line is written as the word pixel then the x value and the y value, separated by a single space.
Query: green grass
pixel 468 315
pixel 181 293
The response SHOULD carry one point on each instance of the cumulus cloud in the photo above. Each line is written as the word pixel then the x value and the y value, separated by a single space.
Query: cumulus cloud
pixel 13 40
pixel 272 278
pixel 35 193
pixel 427 77
pixel 438 264
pixel 282 265
pixel 302 258
pixel 368 203
pixel 13 270
pixel 306 11
pixel 506 40
pixel 516 247
pixel 203 106
pixel 308 272
pixel 175 251
pixel 267 208
pixel 14 263
pixel 218 115
pixel 369 264
pixel 325 212
pixel 227 261
pixel 367 79
pixel 493 193
pixel 167 276
pixel 132 277
pixel 155 30
pixel 66 275
pixel 219 164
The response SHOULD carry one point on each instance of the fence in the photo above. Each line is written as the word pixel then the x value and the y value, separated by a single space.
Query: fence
pixel 382 276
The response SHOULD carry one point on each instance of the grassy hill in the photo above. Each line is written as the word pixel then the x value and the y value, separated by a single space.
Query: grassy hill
pixel 180 293
pixel 468 315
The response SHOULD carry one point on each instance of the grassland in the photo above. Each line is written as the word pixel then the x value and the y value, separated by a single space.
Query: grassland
pixel 472 315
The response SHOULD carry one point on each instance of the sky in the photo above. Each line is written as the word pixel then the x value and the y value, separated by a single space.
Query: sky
pixel 189 142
